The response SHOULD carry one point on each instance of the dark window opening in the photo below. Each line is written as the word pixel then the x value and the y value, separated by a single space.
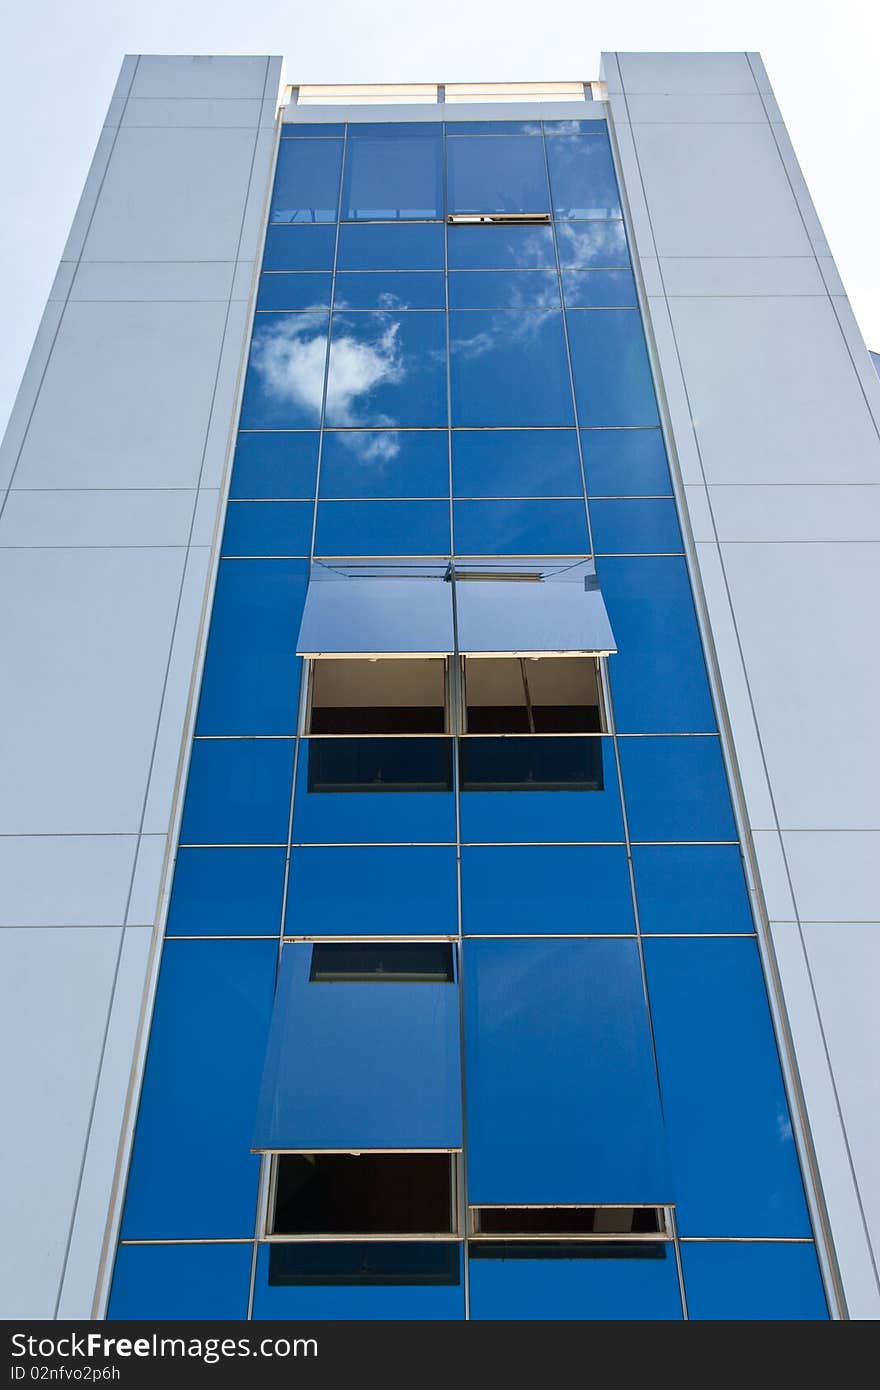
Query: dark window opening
pixel 531 764
pixel 545 695
pixel 365 1262
pixel 387 962
pixel 379 764
pixel 386 696
pixel 563 1221
pixel 568 1250
pixel 391 1194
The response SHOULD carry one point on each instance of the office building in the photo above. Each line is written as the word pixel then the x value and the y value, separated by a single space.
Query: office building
pixel 439 814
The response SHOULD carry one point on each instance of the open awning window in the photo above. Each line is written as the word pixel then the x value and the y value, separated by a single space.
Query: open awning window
pixel 489 608
pixel 363 1049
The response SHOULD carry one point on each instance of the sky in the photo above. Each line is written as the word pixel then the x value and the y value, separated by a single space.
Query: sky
pixel 59 61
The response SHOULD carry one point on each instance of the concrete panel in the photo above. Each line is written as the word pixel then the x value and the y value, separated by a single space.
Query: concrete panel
pixel 830 275
pixel 20 415
pixel 172 195
pixel 96 517
pixel 842 958
pixel 204 521
pixel 699 515
pixel 63 281
pixel 126 397
pixel 65 880
pixel 153 280
pixel 718 190
pixel 82 218
pixel 200 111
pixel 743 275
pixel 254 220
pixel 836 874
pixel 184 76
pixel 693 109
pixel 87 1234
pixel 797 513
pixel 800 191
pixel 147 881
pixel 774 875
pixel 772 391
pixel 759 72
pixel 672 391
pixel 686 73
pixel 641 232
pixel 64 975
pixel 224 417
pixel 87 633
pixel 243 280
pixel 842 1198
pixel 862 361
pixel 814 675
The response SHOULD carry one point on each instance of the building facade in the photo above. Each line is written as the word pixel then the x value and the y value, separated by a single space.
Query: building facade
pixel 435 881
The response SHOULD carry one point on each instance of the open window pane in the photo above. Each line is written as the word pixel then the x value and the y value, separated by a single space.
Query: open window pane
pixel 552 695
pixel 384 1194
pixel 529 1221
pixel 376 611
pixel 385 962
pixel 378 697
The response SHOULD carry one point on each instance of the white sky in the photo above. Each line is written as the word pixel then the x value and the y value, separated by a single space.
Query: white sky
pixel 59 60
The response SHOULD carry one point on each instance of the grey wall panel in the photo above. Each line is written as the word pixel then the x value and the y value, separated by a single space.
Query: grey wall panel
pixel 774 411
pixel 106 566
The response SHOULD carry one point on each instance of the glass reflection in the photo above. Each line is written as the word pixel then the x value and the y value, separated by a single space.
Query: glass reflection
pixel 385 463
pixel 500 174
pixel 380 765
pixel 515 463
pixel 501 248
pixel 393 171
pixel 387 369
pixel 307 181
pixel 383 528
pixel 293 130
pixel 533 763
pixel 582 177
pixel 612 375
pixel 294 292
pixel 299 248
pixel 625 463
pixel 269 464
pixel 400 289
pixel 285 379
pixel 599 289
pixel 386 246
pixel 509 369
pixel 499 289
pixel 517 526
pixel 592 244
pixel 454 128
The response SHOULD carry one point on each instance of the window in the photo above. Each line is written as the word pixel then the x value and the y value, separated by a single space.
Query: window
pixel 387 962
pixel 378 697
pixel 363 1194
pixel 541 1222
pixel 517 695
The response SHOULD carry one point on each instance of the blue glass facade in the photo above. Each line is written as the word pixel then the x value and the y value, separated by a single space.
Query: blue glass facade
pixel 429 391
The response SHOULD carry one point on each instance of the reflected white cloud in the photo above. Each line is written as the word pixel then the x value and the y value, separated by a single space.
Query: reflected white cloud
pixel 509 329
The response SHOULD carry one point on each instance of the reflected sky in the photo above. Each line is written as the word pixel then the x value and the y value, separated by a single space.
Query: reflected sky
pixel 592 244
pixel 307 181
pixel 582 177
pixel 499 289
pixel 286 377
pixel 417 289
pixel 505 173
pixel 387 369
pixel 509 369
pixel 393 171
pixel 501 248
pixel 385 463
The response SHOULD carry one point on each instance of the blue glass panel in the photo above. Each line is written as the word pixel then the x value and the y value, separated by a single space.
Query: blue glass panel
pixel 368 818
pixel 383 528
pixel 658 677
pixel 369 1065
pixel 356 1303
pixel 521 527
pixel 267 528
pixel 192 1174
pixel 580 889
pixel 388 247
pixel 599 289
pixel 504 174
pixel 393 171
pixel 294 291
pixel 401 289
pixel 592 244
pixel 676 789
pixel 275 464
pixel 618 1286
pixel 509 369
pixel 293 130
pixel 307 181
pixel 733 1155
pixel 299 248
pixel 238 792
pixel 562 1099
pixel 387 369
pixel 625 463
pixel 515 463
pixel 227 892
pixel 251 679
pixel 455 128
pixel 691 888
pixel 372 891
pixel 567 127
pixel 504 289
pixel 538 817
pixel 209 1282
pixel 285 381
pixel 636 526
pixel 582 177
pixel 385 463
pixel 725 1281
pixel 501 248
pixel 612 376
